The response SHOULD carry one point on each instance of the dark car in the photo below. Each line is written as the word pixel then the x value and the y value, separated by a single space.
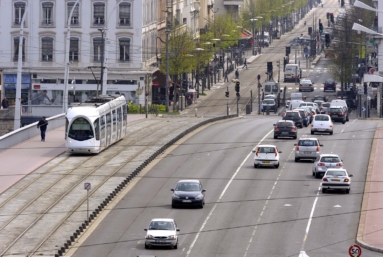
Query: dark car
pixel 338 113
pixel 356 78
pixel 188 193
pixel 295 117
pixel 285 128
pixel 320 97
pixel 329 85
pixel 269 104
pixel 305 116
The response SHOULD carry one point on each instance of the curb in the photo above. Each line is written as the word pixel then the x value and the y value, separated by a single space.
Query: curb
pixel 314 62
pixel 125 182
pixel 362 219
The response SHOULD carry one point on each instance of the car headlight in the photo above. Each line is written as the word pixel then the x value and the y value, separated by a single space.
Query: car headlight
pixel 176 196
pixel 199 197
pixel 172 237
pixel 149 236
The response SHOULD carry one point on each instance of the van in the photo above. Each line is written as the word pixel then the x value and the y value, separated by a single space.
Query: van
pixel 296 96
pixel 295 104
pixel 338 102
pixel 292 72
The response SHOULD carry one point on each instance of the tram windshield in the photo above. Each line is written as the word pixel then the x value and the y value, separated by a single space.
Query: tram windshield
pixel 80 130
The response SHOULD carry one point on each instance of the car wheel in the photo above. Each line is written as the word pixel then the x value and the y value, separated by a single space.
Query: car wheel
pixel 201 206
pixel 314 174
pixel 347 119
pixel 176 245
pixel 174 206
pixel 312 132
pixel 347 191
pixel 295 137
pixel 296 159
pixel 331 132
pixel 324 190
pixel 301 126
pixel 147 246
pixel 255 166
pixel 275 137
pixel 343 122
pixel 300 90
pixel 277 166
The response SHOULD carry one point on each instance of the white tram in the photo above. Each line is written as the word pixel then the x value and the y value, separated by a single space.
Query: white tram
pixel 95 124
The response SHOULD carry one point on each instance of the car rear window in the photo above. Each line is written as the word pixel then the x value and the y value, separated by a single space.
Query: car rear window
pixel 268 101
pixel 335 110
pixel 336 173
pixel 326 105
pixel 330 159
pixel 302 104
pixel 266 150
pixel 307 143
pixel 322 118
pixel 285 124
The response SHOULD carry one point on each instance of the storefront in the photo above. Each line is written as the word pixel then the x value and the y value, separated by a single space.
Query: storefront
pixel 10 81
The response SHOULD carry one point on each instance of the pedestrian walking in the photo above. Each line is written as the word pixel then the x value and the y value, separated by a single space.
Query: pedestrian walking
pixel 42 125
pixel 236 74
pixel 245 64
pixel 226 79
pixel 4 103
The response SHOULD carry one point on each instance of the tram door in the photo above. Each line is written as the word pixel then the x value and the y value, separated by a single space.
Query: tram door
pixel 114 127
pixel 119 122
pixel 103 132
pixel 108 129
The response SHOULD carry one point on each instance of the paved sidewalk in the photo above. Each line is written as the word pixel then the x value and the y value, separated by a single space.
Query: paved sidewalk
pixel 370 231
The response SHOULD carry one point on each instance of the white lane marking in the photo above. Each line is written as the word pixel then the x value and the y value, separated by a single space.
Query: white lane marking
pixel 264 207
pixel 287 205
pixel 309 223
pixel 342 131
pixel 337 206
pixel 289 88
pixel 223 192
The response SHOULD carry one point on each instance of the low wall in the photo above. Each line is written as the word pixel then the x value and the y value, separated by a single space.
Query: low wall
pixel 7 117
pixel 17 136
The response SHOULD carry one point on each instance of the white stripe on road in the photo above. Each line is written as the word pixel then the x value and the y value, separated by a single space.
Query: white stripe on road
pixel 222 194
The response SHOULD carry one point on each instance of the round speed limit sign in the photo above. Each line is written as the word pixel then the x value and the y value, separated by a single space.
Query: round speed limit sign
pixel 355 251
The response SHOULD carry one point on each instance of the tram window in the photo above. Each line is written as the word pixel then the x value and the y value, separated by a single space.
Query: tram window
pixel 124 113
pixel 108 124
pixel 114 121
pixel 80 130
pixel 119 116
pixel 97 128
pixel 102 125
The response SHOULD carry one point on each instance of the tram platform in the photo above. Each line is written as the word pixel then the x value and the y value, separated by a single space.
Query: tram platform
pixel 21 159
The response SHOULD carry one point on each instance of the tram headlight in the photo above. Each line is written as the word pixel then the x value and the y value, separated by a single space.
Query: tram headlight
pixel 90 142
pixel 70 141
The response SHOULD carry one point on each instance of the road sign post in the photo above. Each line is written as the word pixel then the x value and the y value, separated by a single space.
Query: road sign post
pixel 87 187
pixel 355 251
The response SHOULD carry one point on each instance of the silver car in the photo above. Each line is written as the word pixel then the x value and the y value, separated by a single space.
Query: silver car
pixel 307 148
pixel 306 84
pixel 162 232
pixel 324 162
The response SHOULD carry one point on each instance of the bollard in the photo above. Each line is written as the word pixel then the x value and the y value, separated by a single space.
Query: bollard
pixel 196 112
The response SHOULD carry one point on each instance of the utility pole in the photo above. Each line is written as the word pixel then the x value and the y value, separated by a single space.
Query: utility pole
pixel 17 122
pixel 227 102
pixel 102 57
pixel 167 31
pixel 259 94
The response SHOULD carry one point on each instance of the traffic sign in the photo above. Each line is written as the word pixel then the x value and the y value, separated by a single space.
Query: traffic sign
pixel 360 91
pixel 259 77
pixel 372 70
pixel 369 90
pixel 87 186
pixel 355 251
pixel 363 109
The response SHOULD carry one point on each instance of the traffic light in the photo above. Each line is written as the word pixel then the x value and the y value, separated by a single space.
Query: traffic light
pixel 310 30
pixel 365 88
pixel 320 27
pixel 227 93
pixel 269 66
pixel 332 17
pixel 287 50
pixel 327 40
pixel 237 87
pixel 342 3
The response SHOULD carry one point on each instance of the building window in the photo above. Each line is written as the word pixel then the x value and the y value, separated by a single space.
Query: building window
pixel 99 13
pixel 47 13
pixel 73 49
pixel 124 14
pixel 124 44
pixel 19 12
pixel 97 49
pixel 184 20
pixel 16 41
pixel 75 20
pixel 47 49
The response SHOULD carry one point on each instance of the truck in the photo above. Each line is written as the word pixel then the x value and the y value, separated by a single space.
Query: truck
pixel 272 88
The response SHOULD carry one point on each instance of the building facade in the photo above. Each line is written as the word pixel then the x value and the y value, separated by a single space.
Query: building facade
pixel 127 28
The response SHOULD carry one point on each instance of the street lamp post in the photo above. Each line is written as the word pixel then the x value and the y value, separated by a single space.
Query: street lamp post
pixel 253 21
pixel 102 57
pixel 167 31
pixel 259 49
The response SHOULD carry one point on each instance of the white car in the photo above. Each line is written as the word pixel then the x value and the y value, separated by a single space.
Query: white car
pixel 287 104
pixel 274 97
pixel 307 148
pixel 336 179
pixel 306 84
pixel 266 155
pixel 162 232
pixel 322 123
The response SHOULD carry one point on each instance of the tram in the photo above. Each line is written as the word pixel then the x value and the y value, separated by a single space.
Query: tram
pixel 95 124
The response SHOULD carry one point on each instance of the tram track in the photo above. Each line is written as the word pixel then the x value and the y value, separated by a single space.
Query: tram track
pixel 27 226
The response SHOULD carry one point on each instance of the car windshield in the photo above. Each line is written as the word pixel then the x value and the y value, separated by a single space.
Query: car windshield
pixel 161 225
pixel 187 186
pixel 306 81
pixel 268 101
pixel 291 114
pixel 330 159
pixel 266 150
pixel 307 143
pixel 285 124
pixel 330 81
pixel 336 173
pixel 322 118
pixel 268 88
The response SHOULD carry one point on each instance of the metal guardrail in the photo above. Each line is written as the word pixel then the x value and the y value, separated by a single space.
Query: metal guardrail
pixel 29 131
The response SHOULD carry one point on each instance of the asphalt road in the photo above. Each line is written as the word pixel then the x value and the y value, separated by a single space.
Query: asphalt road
pixel 248 212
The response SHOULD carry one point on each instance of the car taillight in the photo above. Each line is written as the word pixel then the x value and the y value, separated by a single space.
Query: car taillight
pixel 328 113
pixel 276 128
pixel 341 113
pixel 318 148
pixel 275 151
pixel 321 108
pixel 325 179
pixel 293 128
pixel 312 125
pixel 346 180
pixel 339 164
pixel 311 85
pixel 321 164
pixel 297 148
pixel 300 85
